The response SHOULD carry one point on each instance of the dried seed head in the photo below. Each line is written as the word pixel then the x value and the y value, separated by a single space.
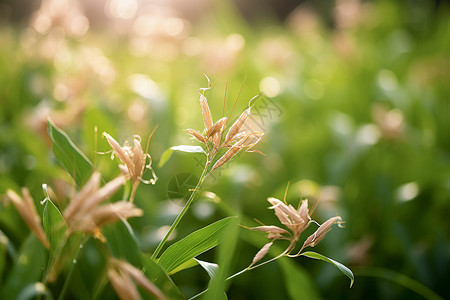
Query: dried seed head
pixel 113 212
pixel 123 285
pixel 84 212
pixel 270 229
pixel 320 233
pixel 134 159
pixel 226 157
pixel 237 125
pixel 141 280
pixel 217 128
pixel 123 153
pixel 303 210
pixel 197 135
pixel 281 211
pixel 261 253
pixel 206 113
pixel 128 272
pixel 28 212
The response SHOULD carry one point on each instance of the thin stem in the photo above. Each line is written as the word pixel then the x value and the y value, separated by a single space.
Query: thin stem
pixel 72 267
pixel 251 267
pixel 183 212
pixel 133 190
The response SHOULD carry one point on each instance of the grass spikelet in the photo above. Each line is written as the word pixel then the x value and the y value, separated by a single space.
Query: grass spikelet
pixel 216 128
pixel 226 157
pixel 261 253
pixel 237 125
pixel 29 214
pixel 206 112
pixel 197 135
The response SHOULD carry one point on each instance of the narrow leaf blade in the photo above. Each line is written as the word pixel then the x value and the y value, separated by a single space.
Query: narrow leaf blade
pixel 27 269
pixel 55 228
pixel 347 272
pixel 122 242
pixel 194 244
pixel 183 148
pixel 69 156
pixel 211 268
pixel 160 278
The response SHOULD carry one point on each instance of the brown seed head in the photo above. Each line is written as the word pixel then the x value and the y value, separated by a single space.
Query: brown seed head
pixel 134 159
pixel 237 125
pixel 197 135
pixel 217 128
pixel 320 233
pixel 27 210
pixel 206 113
pixel 122 284
pixel 261 253
pixel 85 212
pixel 270 229
pixel 128 271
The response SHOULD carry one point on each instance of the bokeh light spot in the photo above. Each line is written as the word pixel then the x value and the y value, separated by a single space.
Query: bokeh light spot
pixel 270 87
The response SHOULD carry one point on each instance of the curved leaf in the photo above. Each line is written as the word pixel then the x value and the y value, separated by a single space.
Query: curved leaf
pixel 347 272
pixel 122 242
pixel 183 148
pixel 55 228
pixel 189 264
pixel 35 290
pixel 26 269
pixel 160 278
pixel 69 156
pixel 210 268
pixel 193 245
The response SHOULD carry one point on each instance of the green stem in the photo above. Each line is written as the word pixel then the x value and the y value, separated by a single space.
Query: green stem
pixel 183 212
pixel 72 267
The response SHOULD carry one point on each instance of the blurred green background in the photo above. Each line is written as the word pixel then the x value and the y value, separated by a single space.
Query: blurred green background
pixel 355 110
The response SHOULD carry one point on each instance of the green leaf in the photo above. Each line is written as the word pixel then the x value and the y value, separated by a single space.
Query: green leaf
pixel 217 285
pixel 193 245
pixel 160 278
pixel 3 244
pixel 347 272
pixel 55 228
pixel 183 148
pixel 27 268
pixel 211 268
pixel 122 242
pixel 298 282
pixel 33 291
pixel 189 264
pixel 69 156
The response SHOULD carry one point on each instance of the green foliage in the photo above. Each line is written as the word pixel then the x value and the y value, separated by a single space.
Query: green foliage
pixel 355 114
pixel 55 228
pixel 340 266
pixel 194 244
pixel 69 156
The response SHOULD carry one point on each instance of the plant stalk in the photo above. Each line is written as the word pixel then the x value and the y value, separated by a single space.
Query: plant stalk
pixel 183 212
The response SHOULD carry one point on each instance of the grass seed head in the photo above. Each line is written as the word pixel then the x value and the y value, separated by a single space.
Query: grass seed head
pixel 123 285
pixel 320 233
pixel 206 113
pixel 27 210
pixel 134 159
pixel 261 253
pixel 237 125
pixel 122 273
pixel 197 135
pixel 85 212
